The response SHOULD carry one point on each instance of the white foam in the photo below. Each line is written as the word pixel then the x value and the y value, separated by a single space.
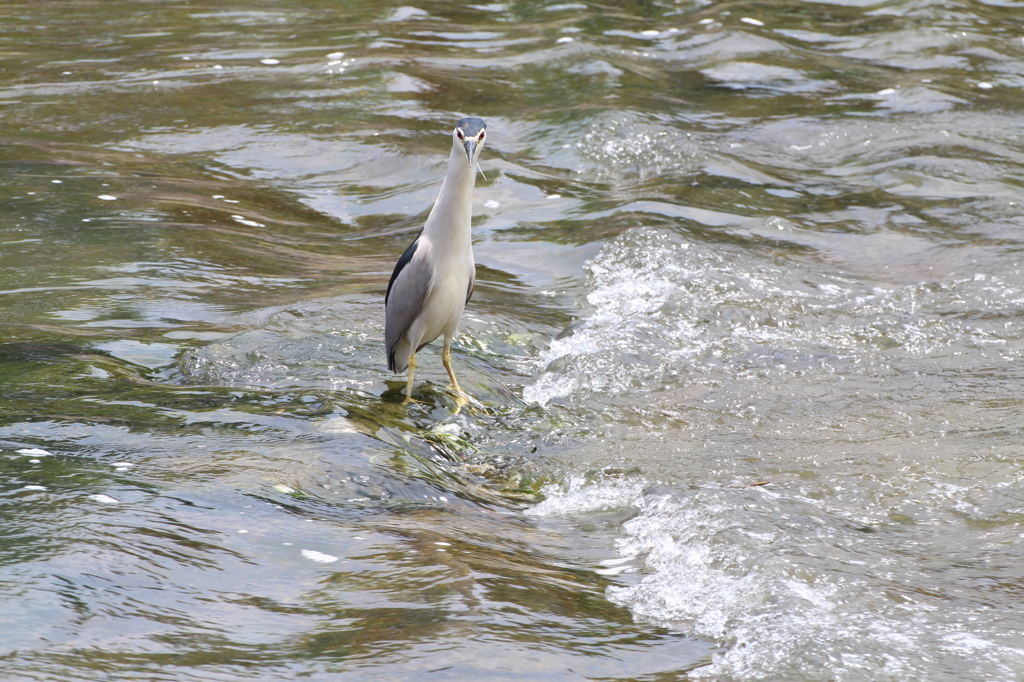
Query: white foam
pixel 319 557
pixel 245 221
pixel 104 499
pixel 777 610
pixel 405 13
pixel 35 452
pixel 576 497
pixel 622 297
pixel 670 306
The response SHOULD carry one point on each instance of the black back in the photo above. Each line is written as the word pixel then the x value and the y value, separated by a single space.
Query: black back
pixel 400 265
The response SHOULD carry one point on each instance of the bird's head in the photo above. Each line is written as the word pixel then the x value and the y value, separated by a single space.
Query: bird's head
pixel 469 134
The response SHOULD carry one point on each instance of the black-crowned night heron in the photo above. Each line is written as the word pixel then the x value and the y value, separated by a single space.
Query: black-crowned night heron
pixel 433 279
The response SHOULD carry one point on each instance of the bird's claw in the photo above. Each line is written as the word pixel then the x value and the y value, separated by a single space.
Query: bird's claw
pixel 463 399
pixel 460 399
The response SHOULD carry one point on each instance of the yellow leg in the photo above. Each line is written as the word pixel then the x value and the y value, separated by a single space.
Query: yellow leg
pixel 446 358
pixel 408 383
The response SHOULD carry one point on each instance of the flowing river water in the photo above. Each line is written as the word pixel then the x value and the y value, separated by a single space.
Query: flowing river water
pixel 747 342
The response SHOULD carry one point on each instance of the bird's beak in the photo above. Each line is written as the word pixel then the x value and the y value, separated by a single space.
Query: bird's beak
pixel 470 146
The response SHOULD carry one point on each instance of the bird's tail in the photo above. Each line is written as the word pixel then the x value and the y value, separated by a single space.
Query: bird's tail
pixel 398 356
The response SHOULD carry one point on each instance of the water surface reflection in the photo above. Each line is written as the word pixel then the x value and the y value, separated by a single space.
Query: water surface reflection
pixel 746 338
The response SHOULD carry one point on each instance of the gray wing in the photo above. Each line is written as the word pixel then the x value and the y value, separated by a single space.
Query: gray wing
pixel 407 290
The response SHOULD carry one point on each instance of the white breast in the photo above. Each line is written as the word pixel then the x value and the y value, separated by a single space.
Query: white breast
pixel 443 308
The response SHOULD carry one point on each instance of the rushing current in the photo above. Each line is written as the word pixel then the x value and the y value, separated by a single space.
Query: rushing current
pixel 746 351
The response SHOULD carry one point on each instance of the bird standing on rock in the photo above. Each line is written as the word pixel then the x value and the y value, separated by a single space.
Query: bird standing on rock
pixel 434 278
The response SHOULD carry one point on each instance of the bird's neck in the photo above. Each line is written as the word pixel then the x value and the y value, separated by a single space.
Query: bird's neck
pixel 449 222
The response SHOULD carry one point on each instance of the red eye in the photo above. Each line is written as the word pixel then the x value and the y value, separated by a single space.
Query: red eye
pixel 481 138
pixel 459 133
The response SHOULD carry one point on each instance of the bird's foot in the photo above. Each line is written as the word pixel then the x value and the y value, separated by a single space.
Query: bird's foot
pixel 462 399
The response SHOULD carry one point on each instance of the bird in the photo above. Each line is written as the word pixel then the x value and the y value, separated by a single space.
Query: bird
pixel 434 279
